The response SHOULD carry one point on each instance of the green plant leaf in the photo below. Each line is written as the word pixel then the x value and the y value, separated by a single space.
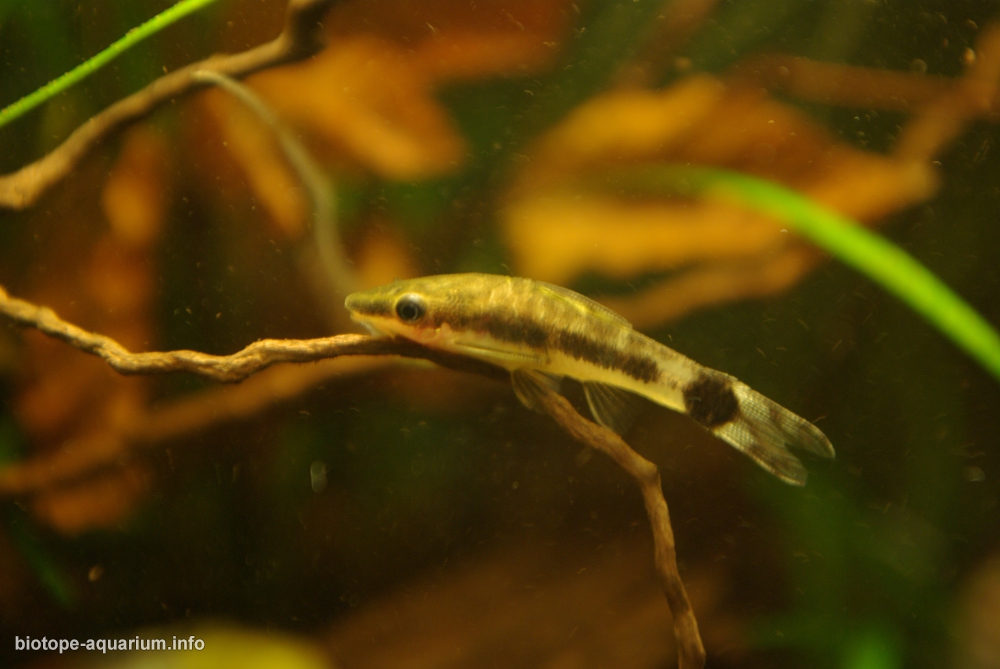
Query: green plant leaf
pixel 847 240
pixel 83 70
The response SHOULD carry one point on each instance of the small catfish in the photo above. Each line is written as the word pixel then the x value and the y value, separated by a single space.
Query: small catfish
pixel 542 333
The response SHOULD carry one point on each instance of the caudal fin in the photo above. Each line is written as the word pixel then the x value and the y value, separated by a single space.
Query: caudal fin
pixel 755 425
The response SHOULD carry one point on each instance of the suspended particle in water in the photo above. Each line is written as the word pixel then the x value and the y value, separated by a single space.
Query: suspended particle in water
pixel 317 476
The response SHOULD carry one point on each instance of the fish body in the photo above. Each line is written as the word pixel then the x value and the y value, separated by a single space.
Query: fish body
pixel 542 333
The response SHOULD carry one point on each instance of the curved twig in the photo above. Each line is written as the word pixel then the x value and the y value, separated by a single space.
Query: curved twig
pixel 690 651
pixel 227 368
pixel 300 38
pixel 333 277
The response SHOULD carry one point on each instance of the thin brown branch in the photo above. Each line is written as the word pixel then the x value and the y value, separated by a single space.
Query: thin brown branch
pixel 227 368
pixel 324 261
pixel 300 38
pixel 262 354
pixel 690 651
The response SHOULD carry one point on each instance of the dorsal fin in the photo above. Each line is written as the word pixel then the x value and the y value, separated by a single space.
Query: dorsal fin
pixel 582 303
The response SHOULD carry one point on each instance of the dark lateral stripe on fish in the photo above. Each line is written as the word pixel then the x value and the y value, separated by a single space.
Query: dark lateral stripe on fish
pixel 508 327
pixel 639 367
pixel 505 327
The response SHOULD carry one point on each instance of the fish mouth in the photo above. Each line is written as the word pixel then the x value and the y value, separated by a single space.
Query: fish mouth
pixel 372 330
pixel 377 327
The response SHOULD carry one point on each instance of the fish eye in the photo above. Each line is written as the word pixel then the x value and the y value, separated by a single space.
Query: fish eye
pixel 410 308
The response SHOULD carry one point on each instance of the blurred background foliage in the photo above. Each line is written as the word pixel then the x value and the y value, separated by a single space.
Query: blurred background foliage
pixel 388 514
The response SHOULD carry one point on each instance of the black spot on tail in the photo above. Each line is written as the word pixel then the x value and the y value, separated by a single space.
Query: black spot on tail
pixel 710 401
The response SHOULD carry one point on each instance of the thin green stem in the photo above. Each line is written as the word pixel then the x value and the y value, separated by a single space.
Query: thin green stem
pixel 133 37
pixel 849 241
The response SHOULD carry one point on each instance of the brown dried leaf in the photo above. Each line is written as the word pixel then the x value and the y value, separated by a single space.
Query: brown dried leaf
pixel 134 195
pixel 382 258
pixel 104 501
pixel 365 98
pixel 107 284
pixel 567 235
pixel 624 126
pixel 557 231
pixel 368 100
pixel 252 145
pixel 455 39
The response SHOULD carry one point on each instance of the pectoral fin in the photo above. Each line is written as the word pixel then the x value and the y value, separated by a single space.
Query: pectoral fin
pixel 612 407
pixel 529 385
pixel 500 356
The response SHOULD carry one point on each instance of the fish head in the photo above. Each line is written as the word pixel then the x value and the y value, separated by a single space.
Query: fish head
pixel 418 309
